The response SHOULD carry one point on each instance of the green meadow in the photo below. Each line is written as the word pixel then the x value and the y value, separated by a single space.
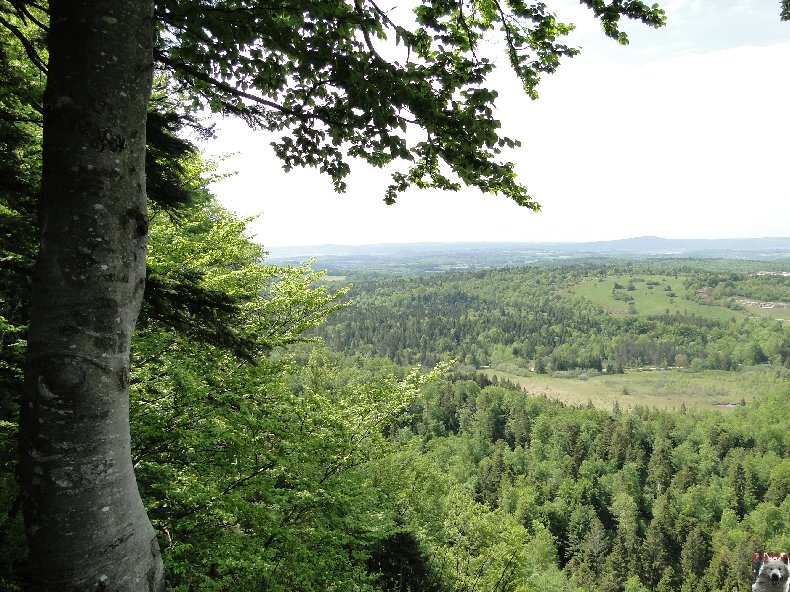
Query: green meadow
pixel 648 295
pixel 662 389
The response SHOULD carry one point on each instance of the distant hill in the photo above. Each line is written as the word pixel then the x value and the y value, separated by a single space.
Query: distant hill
pixel 482 255
pixel 665 246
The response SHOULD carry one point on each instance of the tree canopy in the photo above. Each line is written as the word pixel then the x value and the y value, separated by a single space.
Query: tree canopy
pixel 348 79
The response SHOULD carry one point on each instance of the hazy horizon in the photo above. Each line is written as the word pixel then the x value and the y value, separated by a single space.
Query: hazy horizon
pixel 537 242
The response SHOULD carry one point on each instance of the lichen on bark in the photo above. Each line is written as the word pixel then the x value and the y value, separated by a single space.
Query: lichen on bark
pixel 87 527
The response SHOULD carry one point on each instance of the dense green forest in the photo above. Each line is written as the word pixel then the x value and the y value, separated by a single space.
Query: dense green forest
pixel 313 469
pixel 593 316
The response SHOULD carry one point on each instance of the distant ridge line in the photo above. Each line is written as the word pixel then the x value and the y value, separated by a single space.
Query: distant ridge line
pixel 644 245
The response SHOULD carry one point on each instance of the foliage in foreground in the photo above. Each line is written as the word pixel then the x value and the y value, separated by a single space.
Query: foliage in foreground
pixel 265 466
pixel 277 472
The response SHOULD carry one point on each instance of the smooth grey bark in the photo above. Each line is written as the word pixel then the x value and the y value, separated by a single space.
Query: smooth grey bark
pixel 86 525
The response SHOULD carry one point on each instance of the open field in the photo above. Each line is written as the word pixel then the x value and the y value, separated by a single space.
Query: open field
pixel 662 389
pixel 656 294
pixel 650 294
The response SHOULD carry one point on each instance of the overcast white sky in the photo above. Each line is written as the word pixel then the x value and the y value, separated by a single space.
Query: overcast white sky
pixel 684 133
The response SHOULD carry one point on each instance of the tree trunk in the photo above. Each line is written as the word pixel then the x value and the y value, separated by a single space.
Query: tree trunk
pixel 86 525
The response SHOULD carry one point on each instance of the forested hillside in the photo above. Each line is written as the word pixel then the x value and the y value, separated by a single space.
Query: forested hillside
pixel 639 500
pixel 645 500
pixel 267 460
pixel 589 316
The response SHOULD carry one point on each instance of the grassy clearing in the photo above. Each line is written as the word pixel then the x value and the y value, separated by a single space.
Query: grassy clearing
pixel 656 294
pixel 662 389
pixel 649 295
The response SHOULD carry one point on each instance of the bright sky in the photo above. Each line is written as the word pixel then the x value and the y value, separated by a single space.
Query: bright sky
pixel 684 133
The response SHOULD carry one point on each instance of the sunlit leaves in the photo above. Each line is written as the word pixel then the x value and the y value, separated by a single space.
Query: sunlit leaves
pixel 255 464
pixel 262 474
pixel 208 281
pixel 610 14
pixel 347 79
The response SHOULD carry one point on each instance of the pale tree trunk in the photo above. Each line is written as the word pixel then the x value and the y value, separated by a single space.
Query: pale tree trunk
pixel 87 527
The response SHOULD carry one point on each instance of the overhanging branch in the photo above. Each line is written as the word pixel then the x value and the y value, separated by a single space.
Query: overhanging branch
pixel 231 90
pixel 31 52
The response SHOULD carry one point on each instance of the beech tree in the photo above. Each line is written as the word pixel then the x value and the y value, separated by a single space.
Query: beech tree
pixel 261 476
pixel 312 69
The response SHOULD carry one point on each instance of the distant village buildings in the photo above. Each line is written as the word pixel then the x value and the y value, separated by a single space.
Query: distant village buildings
pixel 774 273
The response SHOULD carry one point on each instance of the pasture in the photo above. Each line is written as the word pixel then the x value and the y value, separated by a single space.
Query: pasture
pixel 650 295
